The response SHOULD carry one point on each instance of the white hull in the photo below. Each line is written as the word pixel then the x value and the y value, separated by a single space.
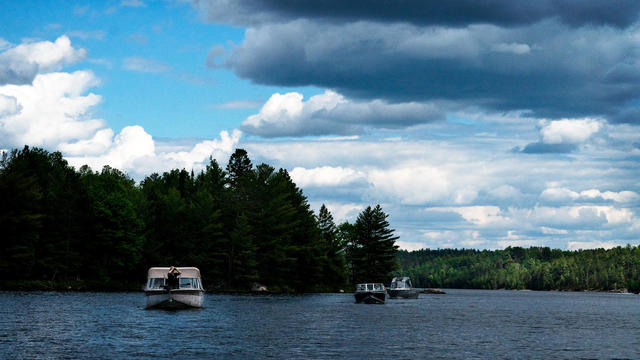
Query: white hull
pixel 175 298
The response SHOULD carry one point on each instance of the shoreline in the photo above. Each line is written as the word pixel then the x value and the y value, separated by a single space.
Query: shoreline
pixel 80 286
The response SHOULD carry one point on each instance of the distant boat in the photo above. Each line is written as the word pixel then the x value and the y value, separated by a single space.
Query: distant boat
pixel 401 289
pixel 174 288
pixel 370 293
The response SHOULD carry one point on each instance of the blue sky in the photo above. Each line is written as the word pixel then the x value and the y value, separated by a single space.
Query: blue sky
pixel 474 125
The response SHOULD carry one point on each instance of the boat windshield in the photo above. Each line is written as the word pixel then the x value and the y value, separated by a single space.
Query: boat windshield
pixel 189 283
pixel 156 283
pixel 401 284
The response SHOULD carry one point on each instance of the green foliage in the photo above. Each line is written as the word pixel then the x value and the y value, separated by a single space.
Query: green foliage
pixel 371 247
pixel 101 230
pixel 536 268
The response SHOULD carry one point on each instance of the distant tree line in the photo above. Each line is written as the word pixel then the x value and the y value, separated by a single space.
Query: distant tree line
pixel 535 268
pixel 242 224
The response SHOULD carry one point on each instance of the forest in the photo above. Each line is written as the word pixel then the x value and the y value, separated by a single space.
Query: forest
pixel 535 268
pixel 63 228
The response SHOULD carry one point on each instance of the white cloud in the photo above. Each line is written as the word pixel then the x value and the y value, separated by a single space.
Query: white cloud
pixel 325 176
pixel 580 216
pixel 417 184
pixel 341 212
pixel 331 113
pixel 98 144
pixel 564 195
pixel 620 197
pixel 478 215
pixel 569 131
pixel 220 149
pixel 134 151
pixel 20 64
pixel 558 195
pixel 51 111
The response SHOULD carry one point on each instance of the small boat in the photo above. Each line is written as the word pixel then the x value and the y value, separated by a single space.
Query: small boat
pixel 370 293
pixel 174 288
pixel 401 289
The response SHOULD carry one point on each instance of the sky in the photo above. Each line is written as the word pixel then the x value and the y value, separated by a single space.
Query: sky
pixel 474 124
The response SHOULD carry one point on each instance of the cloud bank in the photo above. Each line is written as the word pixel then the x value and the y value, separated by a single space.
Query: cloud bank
pixel 498 56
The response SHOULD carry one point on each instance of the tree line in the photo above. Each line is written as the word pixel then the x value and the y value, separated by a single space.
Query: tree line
pixel 84 229
pixel 535 268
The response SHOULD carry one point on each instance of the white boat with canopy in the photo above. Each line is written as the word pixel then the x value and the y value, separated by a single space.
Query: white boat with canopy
pixel 174 287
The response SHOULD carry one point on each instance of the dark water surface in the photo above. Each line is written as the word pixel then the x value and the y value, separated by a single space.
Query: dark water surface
pixel 463 324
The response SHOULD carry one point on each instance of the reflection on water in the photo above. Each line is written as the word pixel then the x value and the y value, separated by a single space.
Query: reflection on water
pixel 462 324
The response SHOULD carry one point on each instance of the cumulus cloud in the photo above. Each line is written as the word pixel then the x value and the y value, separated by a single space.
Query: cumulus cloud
pixel 620 197
pixel 331 113
pixel 20 64
pixel 561 136
pixel 564 195
pixel 572 131
pixel 134 151
pixel 559 195
pixel 50 111
pixel 54 111
pixel 325 176
pixel 467 194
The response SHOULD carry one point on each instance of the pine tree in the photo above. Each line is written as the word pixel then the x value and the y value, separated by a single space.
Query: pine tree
pixel 334 271
pixel 239 165
pixel 373 253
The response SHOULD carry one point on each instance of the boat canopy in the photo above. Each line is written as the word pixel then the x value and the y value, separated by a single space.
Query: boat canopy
pixel 400 283
pixel 185 272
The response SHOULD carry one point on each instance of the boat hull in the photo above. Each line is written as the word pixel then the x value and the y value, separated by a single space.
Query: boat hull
pixel 403 293
pixel 174 299
pixel 370 297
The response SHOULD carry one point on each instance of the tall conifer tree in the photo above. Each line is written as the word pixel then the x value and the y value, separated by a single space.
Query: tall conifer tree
pixel 373 251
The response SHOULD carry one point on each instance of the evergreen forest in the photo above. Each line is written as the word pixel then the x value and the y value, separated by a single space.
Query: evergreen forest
pixel 535 268
pixel 62 228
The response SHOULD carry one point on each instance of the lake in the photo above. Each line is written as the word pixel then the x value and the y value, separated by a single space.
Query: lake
pixel 463 324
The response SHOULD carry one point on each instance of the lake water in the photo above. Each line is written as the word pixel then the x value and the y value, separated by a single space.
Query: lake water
pixel 463 324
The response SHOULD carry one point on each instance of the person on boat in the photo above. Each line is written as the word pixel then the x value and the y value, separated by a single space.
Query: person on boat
pixel 172 277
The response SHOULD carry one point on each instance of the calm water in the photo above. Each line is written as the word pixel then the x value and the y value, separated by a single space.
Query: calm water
pixel 463 324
